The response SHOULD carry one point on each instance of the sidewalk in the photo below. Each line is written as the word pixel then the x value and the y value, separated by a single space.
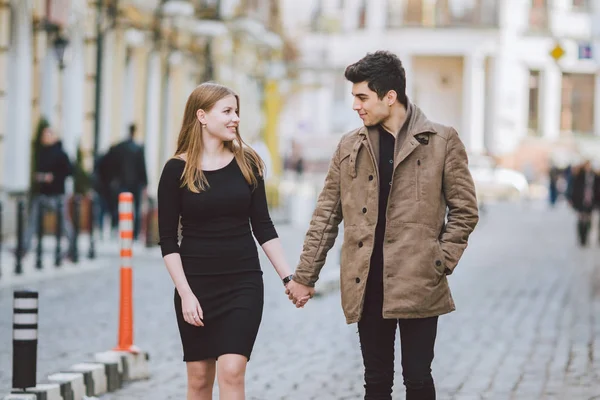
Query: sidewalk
pixel 106 254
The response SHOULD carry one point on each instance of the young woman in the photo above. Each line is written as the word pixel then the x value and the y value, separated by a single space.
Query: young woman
pixel 214 185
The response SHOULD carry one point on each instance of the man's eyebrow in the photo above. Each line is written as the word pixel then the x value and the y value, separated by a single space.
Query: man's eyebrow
pixel 359 94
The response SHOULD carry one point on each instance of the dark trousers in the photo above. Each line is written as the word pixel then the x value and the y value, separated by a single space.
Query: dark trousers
pixel 417 340
pixel 584 225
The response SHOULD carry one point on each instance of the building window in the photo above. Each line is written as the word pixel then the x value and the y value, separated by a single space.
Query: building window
pixel 538 15
pixel 341 106
pixel 413 12
pixel 316 15
pixel 362 15
pixel 577 111
pixel 581 5
pixel 395 13
pixel 534 103
pixel 442 13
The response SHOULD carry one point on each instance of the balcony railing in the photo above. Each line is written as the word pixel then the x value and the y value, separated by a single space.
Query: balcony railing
pixel 443 13
pixel 208 9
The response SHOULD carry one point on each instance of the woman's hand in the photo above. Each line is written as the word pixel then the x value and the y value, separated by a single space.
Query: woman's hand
pixel 192 312
pixel 302 302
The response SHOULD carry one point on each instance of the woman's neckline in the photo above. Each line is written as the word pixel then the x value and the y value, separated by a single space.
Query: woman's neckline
pixel 209 171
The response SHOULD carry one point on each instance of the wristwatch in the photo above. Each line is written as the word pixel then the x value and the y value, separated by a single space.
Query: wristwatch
pixel 287 279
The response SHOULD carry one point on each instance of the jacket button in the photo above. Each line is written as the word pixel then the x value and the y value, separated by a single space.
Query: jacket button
pixel 360 244
pixel 357 280
pixel 438 263
pixel 370 177
pixel 418 162
pixel 364 210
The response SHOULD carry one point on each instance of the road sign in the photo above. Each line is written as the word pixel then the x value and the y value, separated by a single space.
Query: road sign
pixel 557 52
pixel 585 51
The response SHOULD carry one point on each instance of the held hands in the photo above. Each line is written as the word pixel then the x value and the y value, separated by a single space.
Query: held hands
pixel 191 310
pixel 299 294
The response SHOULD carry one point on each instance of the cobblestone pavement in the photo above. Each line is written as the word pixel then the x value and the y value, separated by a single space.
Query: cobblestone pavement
pixel 527 324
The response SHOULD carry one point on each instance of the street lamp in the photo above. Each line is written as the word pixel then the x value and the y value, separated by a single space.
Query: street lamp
pixel 112 11
pixel 60 46
pixel 59 43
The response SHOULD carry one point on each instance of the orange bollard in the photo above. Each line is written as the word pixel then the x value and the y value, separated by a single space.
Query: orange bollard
pixel 126 301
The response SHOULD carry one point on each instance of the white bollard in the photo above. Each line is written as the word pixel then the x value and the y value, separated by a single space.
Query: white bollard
pixel 74 378
pixel 136 365
pixel 47 391
pixel 95 377
pixel 114 377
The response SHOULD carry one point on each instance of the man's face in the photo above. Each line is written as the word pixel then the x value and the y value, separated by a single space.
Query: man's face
pixel 369 107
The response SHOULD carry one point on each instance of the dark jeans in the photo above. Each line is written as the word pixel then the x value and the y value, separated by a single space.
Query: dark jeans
pixel 48 203
pixel 417 340
pixel 584 225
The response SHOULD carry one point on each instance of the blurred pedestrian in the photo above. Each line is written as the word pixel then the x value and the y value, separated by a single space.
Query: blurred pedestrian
pixel 126 170
pixel 553 176
pixel 105 204
pixel 52 167
pixel 584 197
pixel 215 186
pixel 297 159
pixel 392 182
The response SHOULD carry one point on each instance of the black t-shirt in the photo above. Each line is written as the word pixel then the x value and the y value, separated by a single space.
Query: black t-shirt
pixel 387 144
pixel 215 224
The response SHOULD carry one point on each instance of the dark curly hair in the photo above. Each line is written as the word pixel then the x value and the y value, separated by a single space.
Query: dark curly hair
pixel 383 71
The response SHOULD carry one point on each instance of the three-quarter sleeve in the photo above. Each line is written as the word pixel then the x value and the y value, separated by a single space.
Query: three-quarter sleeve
pixel 262 226
pixel 169 207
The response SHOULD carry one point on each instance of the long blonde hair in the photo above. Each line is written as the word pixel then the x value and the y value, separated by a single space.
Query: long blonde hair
pixel 204 97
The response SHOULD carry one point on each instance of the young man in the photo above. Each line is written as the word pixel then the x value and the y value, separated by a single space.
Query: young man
pixel 52 167
pixel 392 181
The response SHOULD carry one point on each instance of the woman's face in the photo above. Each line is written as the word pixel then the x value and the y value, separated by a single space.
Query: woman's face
pixel 222 120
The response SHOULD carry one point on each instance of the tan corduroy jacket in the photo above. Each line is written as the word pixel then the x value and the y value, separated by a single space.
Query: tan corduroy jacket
pixel 431 181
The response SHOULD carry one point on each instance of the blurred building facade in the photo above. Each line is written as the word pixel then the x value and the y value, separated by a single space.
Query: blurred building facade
pixel 152 54
pixel 505 73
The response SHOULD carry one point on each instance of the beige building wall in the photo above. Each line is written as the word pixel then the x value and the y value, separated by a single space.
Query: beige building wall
pixel 4 43
pixel 437 85
pixel 178 97
pixel 90 47
pixel 140 60
pixel 117 82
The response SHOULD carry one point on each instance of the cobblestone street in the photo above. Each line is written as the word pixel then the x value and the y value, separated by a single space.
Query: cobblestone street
pixel 527 324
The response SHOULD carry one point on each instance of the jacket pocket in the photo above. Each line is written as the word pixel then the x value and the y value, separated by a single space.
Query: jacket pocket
pixel 418 180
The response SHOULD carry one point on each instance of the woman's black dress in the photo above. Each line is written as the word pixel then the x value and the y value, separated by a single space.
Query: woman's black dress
pixel 219 256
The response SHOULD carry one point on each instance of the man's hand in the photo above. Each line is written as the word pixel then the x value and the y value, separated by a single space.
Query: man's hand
pixel 299 294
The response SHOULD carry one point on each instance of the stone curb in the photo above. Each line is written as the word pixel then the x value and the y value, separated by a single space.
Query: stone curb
pixel 109 372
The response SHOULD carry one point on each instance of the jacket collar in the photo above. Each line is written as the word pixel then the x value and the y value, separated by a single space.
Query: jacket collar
pixel 418 124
